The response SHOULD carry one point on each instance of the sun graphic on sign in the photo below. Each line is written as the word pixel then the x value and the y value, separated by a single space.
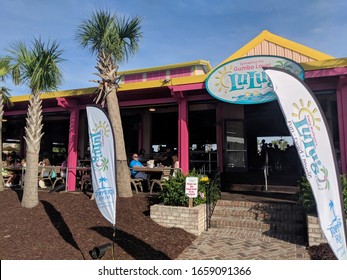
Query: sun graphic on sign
pixel 103 126
pixel 220 84
pixel 305 109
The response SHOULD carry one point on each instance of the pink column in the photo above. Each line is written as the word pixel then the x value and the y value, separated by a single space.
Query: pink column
pixel 220 135
pixel 183 134
pixel 342 117
pixel 71 105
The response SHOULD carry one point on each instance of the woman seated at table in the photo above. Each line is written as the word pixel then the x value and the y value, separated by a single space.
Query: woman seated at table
pixel 135 162
pixel 8 175
pixel 45 162
pixel 166 158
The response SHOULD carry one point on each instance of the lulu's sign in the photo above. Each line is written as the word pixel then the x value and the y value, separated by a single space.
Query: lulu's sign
pixel 243 81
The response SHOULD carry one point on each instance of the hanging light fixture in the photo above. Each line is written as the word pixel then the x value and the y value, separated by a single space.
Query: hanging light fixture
pixel 152 109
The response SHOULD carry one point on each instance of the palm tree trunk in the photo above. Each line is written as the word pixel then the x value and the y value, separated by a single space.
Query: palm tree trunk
pixel 1 116
pixel 33 135
pixel 109 87
pixel 123 179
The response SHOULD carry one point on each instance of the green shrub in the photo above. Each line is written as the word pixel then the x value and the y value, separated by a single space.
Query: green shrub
pixel 306 197
pixel 173 192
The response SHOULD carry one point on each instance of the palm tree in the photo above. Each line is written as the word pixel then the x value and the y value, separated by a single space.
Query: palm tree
pixel 4 98
pixel 112 39
pixel 102 180
pixel 37 68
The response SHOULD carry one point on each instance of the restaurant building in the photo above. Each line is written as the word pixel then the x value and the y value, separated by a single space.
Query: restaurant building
pixel 170 106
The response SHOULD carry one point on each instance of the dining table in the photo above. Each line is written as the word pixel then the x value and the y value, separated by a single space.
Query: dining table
pixel 152 172
pixel 156 169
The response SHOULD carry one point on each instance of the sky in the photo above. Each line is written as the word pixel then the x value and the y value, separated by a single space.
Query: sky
pixel 172 31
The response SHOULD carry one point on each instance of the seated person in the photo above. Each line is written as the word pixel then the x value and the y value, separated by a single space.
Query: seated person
pixel 63 169
pixel 175 162
pixel 8 175
pixel 135 162
pixel 166 159
pixel 142 155
pixel 45 162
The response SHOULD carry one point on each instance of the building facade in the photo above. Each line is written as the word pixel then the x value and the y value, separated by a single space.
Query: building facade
pixel 169 106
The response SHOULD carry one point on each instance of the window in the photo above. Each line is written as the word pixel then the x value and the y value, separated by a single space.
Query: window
pixel 235 145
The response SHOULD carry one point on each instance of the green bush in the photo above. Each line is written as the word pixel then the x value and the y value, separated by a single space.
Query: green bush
pixel 306 197
pixel 173 192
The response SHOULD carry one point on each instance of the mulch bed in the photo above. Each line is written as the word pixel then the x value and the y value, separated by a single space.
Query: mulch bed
pixel 321 252
pixel 69 225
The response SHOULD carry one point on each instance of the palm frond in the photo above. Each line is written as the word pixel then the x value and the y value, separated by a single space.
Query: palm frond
pixel 107 33
pixel 5 95
pixel 5 71
pixel 129 33
pixel 4 67
pixel 38 67
pixel 96 34
pixel 112 39
pixel 20 67
pixel 46 75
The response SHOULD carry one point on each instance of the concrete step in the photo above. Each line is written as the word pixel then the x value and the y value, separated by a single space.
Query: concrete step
pixel 256 225
pixel 260 214
pixel 258 188
pixel 264 206
pixel 277 219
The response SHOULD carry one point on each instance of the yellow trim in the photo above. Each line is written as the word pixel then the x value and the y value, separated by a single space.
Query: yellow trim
pixel 157 84
pixel 168 67
pixel 312 65
pixel 268 36
pixel 123 87
pixel 324 64
pixel 56 94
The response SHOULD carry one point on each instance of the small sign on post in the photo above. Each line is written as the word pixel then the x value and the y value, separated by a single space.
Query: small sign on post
pixel 191 189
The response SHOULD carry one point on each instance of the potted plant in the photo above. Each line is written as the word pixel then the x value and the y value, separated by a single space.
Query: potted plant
pixel 306 198
pixel 173 211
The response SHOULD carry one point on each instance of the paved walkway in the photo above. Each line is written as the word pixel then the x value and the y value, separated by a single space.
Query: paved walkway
pixel 236 244
pixel 233 244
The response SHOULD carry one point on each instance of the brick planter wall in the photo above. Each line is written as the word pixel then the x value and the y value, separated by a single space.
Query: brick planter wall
pixel 192 220
pixel 314 231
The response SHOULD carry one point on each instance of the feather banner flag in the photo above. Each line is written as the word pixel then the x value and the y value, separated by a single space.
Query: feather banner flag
pixel 102 155
pixel 312 139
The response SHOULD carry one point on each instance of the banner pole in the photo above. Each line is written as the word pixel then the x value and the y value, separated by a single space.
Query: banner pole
pixel 113 240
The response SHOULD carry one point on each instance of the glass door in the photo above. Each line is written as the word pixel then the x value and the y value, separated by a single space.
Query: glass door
pixel 236 153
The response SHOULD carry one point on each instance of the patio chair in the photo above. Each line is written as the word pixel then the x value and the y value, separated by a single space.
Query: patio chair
pixel 85 179
pixel 136 183
pixel 44 177
pixel 164 177
pixel 59 177
pixel 50 175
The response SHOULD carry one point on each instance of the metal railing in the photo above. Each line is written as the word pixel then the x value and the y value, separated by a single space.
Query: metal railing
pixel 213 194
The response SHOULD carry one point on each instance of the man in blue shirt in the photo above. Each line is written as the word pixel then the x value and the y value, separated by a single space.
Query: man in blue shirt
pixel 135 162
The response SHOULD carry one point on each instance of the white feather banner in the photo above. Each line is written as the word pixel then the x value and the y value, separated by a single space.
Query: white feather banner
pixel 312 139
pixel 102 155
